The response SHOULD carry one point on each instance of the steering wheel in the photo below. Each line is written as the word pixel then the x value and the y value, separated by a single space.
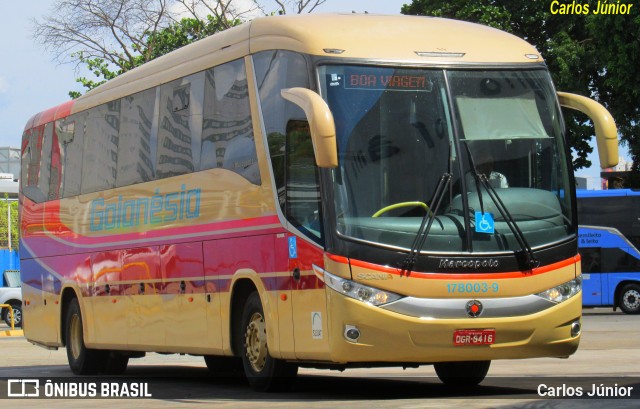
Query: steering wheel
pixel 400 205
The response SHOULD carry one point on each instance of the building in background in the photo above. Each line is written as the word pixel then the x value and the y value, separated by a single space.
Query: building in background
pixel 9 174
pixel 616 177
pixel 9 171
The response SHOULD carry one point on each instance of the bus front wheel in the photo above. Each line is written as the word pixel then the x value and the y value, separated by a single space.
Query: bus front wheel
pixel 82 360
pixel 462 373
pixel 629 301
pixel 264 373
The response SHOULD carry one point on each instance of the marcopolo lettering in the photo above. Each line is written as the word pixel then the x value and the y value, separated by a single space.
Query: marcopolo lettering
pixel 469 264
pixel 156 209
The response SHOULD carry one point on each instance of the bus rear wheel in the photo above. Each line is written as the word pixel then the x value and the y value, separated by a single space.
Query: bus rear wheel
pixel 82 360
pixel 462 373
pixel 263 372
pixel 629 301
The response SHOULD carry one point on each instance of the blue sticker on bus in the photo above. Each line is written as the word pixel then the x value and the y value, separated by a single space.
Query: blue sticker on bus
pixel 484 223
pixel 293 247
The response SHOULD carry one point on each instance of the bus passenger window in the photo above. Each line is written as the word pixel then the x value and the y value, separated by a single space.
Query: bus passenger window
pixel 227 129
pixel 174 132
pixel 72 158
pixel 135 156
pixel 618 260
pixel 591 259
pixel 277 70
pixel 101 148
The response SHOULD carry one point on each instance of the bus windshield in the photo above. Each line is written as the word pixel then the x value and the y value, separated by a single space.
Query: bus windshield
pixel 399 130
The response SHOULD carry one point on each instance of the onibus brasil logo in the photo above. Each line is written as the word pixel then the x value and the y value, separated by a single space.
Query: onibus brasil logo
pixel 35 388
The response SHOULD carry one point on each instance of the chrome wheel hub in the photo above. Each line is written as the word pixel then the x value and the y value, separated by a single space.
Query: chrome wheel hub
pixel 255 342
pixel 75 335
pixel 631 299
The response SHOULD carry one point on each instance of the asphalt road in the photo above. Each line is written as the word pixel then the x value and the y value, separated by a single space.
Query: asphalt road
pixel 609 354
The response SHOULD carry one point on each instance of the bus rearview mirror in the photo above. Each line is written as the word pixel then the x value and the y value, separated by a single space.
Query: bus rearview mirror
pixel 321 125
pixel 606 132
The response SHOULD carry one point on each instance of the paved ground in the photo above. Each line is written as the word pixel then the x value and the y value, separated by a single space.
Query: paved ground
pixel 609 351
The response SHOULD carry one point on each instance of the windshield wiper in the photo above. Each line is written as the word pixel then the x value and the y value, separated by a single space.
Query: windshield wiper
pixel 482 179
pixel 425 226
pixel 530 259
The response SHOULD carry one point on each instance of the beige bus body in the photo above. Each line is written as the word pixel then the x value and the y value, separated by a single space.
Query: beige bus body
pixel 387 336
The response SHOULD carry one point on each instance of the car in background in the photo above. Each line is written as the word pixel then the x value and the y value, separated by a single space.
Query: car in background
pixel 11 295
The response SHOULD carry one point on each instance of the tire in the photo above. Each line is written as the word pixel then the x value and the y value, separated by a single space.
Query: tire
pixel 115 363
pixel 17 315
pixel 462 374
pixel 224 366
pixel 82 360
pixel 629 300
pixel 263 372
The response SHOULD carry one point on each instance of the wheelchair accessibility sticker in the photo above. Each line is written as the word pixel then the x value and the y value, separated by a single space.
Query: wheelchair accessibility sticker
pixel 293 247
pixel 484 223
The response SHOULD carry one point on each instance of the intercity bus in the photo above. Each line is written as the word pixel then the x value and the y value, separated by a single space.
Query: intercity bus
pixel 607 241
pixel 310 191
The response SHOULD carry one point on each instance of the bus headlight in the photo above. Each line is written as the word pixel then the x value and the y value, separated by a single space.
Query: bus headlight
pixel 563 292
pixel 360 292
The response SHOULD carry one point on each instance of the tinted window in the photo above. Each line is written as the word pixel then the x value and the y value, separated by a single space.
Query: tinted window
pixel 180 125
pixel 71 137
pixel 303 187
pixel 26 159
pixel 55 173
pixel 277 70
pixel 135 155
pixel 101 147
pixel 36 184
pixel 227 133
pixel 618 260
pixel 591 260
pixel 45 161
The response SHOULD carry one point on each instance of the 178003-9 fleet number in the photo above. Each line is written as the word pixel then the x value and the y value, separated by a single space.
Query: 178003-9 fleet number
pixel 473 288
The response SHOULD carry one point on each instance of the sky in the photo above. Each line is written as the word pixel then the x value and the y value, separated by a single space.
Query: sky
pixel 31 81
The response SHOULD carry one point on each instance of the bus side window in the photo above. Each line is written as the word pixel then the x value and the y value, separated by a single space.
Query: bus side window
pixel 100 159
pixel 591 260
pixel 277 70
pixel 618 260
pixel 26 159
pixel 136 162
pixel 227 134
pixel 303 186
pixel 72 158
pixel 34 182
pixel 180 126
pixel 55 172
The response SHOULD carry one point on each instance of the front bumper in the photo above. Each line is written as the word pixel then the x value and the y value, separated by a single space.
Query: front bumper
pixel 387 336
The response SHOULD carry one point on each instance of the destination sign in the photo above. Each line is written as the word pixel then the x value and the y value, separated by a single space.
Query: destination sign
pixel 406 80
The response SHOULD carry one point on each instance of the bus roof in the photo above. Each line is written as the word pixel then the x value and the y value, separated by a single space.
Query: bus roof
pixel 580 193
pixel 403 39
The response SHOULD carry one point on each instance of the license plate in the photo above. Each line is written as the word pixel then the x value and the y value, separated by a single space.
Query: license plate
pixel 463 337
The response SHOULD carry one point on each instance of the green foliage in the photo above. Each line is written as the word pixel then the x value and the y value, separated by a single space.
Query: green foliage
pixel 593 55
pixel 156 44
pixel 15 228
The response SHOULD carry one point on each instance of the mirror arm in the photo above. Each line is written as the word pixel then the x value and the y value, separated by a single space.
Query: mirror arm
pixel 321 124
pixel 606 132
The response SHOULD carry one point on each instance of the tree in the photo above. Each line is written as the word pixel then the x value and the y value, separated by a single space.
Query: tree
pixel 155 44
pixel 5 223
pixel 110 37
pixel 592 55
